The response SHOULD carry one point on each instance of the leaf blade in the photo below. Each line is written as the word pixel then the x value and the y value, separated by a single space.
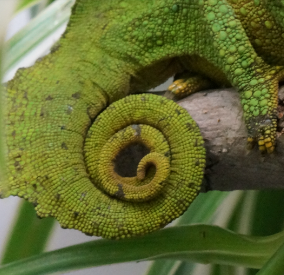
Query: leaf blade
pixel 200 243
pixel 29 235
pixel 41 27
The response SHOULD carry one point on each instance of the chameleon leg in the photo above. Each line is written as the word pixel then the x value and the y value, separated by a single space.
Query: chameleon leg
pixel 189 83
pixel 263 115
pixel 245 70
pixel 260 108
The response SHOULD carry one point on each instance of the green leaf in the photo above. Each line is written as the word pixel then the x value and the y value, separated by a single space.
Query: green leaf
pixel 224 270
pixel 241 217
pixel 164 267
pixel 29 235
pixel 24 4
pixel 42 26
pixel 267 216
pixel 259 213
pixel 202 210
pixel 275 265
pixel 185 268
pixel 239 220
pixel 198 243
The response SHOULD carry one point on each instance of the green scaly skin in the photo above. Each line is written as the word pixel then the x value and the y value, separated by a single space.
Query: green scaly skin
pixel 62 156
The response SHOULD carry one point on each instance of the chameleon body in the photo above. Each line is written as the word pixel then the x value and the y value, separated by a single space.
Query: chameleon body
pixel 61 154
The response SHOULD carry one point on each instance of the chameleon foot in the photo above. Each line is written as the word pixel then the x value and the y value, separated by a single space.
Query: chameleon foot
pixel 260 107
pixel 265 134
pixel 189 83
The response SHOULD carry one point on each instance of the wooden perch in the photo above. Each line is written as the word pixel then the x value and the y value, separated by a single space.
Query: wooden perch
pixel 229 165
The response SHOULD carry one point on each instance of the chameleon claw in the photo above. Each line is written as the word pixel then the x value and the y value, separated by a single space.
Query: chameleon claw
pixel 178 87
pixel 188 84
pixel 250 139
pixel 261 142
pixel 265 145
pixel 263 132
pixel 250 143
pixel 261 145
pixel 270 149
pixel 269 145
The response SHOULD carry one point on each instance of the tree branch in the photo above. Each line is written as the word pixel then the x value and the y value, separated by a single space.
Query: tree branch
pixel 229 165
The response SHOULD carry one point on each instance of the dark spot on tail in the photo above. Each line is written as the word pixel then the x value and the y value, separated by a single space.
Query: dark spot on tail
pixel 191 185
pixel 17 165
pixel 181 203
pixel 120 193
pixel 167 154
pixel 104 26
pixel 64 146
pixel 76 214
pixel 76 95
pixel 55 48
pixel 49 97
pixel 196 143
pixel 189 126
pixel 42 112
pixel 178 111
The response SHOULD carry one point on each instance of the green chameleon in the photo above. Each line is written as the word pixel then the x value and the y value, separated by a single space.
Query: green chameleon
pixel 62 149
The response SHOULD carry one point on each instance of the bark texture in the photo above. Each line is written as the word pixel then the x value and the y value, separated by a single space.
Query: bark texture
pixel 230 165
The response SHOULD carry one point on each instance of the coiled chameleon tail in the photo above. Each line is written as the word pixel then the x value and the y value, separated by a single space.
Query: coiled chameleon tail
pixel 72 177
pixel 110 50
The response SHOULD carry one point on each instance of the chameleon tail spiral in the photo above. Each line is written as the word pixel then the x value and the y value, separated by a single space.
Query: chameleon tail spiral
pixel 72 176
